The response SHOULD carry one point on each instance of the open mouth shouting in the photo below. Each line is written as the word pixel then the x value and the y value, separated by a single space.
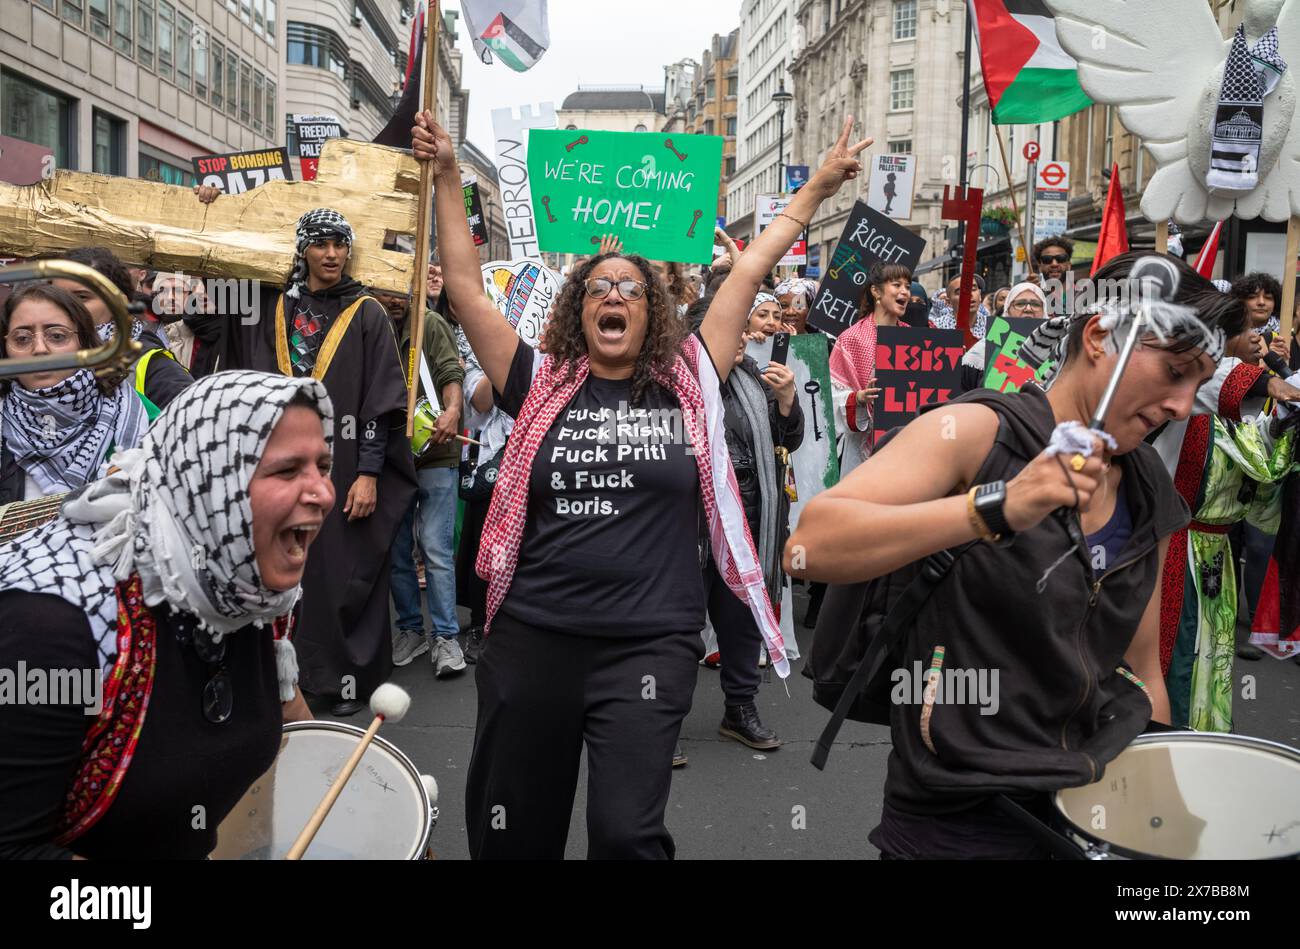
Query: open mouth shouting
pixel 295 539
pixel 611 325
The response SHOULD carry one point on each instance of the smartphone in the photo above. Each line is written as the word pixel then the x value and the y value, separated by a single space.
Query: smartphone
pixel 780 347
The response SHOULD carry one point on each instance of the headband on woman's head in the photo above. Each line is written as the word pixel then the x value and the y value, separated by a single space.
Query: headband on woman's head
pixel 760 300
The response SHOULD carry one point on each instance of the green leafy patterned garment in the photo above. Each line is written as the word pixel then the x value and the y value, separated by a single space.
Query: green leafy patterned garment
pixel 1243 479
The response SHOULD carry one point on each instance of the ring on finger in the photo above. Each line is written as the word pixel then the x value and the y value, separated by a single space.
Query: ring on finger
pixel 1077 461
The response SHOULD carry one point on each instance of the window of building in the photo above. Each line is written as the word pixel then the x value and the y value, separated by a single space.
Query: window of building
pixel 730 166
pixel 270 21
pixel 37 115
pixel 246 11
pixel 259 103
pixel 184 51
pixel 218 75
pixel 122 14
pixel 711 89
pixel 232 82
pixel 259 17
pixel 708 126
pixel 732 85
pixel 570 127
pixel 904 19
pixel 901 147
pixel 72 11
pixel 201 66
pixel 166 38
pixel 155 168
pixel 99 27
pixel 245 92
pixel 108 144
pixel 316 46
pixel 48 4
pixel 640 127
pixel 144 32
pixel 901 90
pixel 269 123
pixel 731 125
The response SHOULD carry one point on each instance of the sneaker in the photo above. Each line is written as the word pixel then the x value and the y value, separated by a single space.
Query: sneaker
pixel 472 642
pixel 741 722
pixel 712 661
pixel 408 644
pixel 447 657
pixel 679 756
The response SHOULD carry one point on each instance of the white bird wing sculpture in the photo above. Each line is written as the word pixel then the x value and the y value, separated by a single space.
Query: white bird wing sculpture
pixel 1161 63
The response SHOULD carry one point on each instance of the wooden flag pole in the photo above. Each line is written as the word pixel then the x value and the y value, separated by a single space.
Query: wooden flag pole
pixel 1288 277
pixel 1162 237
pixel 1011 188
pixel 424 219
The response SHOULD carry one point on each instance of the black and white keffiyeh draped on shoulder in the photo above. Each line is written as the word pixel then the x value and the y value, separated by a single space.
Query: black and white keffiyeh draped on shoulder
pixel 177 512
pixel 322 224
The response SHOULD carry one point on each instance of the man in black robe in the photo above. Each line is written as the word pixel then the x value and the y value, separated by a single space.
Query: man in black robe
pixel 322 324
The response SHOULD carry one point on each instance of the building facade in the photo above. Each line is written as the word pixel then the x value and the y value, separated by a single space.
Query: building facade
pixel 712 107
pixel 141 87
pixel 897 67
pixel 679 82
pixel 767 29
pixel 612 109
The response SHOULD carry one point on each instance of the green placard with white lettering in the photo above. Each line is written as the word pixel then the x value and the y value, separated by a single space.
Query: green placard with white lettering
pixel 657 193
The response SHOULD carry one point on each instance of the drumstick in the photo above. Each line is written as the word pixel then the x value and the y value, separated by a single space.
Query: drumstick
pixel 389 703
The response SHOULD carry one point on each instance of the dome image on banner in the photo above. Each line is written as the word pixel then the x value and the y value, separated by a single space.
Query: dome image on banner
pixel 524 291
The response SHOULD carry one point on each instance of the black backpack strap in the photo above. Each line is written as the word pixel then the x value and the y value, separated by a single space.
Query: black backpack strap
pixel 933 569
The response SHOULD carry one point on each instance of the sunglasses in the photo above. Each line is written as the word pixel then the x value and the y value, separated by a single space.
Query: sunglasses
pixel 1054 259
pixel 598 288
pixel 218 697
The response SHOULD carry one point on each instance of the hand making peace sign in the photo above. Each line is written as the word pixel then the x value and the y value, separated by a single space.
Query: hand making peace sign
pixel 840 164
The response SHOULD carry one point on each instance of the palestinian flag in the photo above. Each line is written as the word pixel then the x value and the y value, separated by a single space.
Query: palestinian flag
pixel 1029 77
pixel 515 30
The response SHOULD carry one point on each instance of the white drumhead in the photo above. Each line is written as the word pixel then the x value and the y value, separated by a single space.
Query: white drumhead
pixel 1194 796
pixel 382 814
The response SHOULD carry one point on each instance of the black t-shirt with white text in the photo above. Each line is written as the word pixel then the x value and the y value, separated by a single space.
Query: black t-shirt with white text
pixel 612 544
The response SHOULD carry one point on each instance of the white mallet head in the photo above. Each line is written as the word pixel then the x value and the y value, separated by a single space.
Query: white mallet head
pixel 430 787
pixel 390 701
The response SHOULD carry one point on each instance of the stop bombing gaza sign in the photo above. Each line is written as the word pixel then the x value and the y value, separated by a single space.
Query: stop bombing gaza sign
pixel 657 193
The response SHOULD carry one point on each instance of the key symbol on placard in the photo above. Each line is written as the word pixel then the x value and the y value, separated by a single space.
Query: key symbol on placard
pixel 668 144
pixel 695 220
pixel 812 387
pixel 546 203
pixel 572 145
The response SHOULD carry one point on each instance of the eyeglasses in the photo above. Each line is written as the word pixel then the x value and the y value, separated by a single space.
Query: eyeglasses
pixel 56 337
pixel 1026 305
pixel 599 287
pixel 1054 259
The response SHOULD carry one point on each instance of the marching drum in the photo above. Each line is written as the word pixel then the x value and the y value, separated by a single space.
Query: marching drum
pixel 384 812
pixel 1189 796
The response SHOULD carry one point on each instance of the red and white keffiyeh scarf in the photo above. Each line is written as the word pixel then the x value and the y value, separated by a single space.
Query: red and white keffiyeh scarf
pixel 694 382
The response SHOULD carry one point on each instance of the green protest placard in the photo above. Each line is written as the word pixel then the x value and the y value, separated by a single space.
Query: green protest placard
pixel 658 194
pixel 1004 370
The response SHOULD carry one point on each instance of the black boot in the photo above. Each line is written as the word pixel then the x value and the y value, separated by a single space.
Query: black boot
pixel 742 723
pixel 472 643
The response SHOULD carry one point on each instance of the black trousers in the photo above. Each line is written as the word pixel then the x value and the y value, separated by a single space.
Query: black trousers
pixel 739 639
pixel 541 696
pixel 471 589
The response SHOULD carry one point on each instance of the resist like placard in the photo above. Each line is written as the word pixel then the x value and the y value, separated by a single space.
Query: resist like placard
pixel 658 194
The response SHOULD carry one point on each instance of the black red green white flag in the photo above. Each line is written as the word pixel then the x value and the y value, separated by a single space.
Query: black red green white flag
pixel 1028 76
pixel 514 30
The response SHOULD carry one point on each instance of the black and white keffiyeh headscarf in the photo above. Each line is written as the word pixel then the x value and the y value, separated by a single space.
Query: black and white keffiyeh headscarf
pixel 322 224
pixel 177 512
pixel 107 331
pixel 60 435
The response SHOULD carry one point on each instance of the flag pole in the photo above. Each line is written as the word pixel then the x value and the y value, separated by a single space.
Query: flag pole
pixel 1011 187
pixel 424 216
pixel 1288 277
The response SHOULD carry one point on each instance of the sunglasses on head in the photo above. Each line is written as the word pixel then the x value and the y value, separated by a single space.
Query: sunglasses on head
pixel 1054 259
pixel 599 287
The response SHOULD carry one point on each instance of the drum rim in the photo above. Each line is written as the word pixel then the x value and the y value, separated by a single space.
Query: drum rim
pixel 1179 737
pixel 324 725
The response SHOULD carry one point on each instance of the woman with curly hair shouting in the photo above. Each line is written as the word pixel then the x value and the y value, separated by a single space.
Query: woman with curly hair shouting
pixel 614 489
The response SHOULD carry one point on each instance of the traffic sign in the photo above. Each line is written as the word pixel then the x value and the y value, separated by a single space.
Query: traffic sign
pixel 1054 176
pixel 1032 151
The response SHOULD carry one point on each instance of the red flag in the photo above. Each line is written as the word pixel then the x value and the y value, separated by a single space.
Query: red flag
pixel 1113 239
pixel 1209 253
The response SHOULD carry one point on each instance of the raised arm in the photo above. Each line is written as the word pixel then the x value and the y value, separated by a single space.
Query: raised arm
pixel 490 333
pixel 725 320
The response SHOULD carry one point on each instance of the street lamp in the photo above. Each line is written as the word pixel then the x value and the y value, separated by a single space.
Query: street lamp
pixel 782 99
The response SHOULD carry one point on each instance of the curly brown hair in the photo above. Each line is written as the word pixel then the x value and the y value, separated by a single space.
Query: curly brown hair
pixel 565 341
pixel 679 288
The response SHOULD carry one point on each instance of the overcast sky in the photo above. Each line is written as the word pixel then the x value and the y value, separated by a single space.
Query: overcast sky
pixel 593 42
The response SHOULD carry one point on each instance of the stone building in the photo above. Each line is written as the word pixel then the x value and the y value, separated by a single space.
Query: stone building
pixel 612 109
pixel 767 29
pixel 711 109
pixel 896 66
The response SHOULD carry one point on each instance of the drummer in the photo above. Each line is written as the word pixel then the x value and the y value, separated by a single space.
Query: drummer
pixel 1044 635
pixel 197 540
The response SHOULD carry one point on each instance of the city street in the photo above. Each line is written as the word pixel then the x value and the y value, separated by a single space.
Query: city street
pixel 731 802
